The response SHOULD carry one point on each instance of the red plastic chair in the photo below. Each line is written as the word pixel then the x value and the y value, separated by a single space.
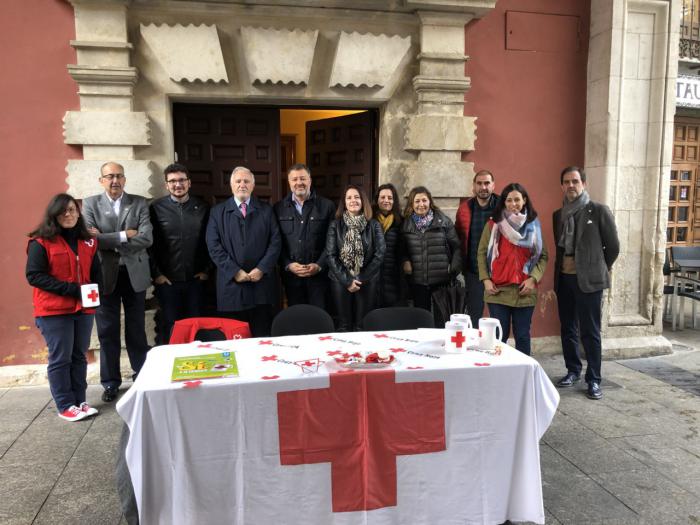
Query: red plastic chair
pixel 185 330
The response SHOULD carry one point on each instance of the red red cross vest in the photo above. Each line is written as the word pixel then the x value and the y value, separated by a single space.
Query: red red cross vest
pixel 64 266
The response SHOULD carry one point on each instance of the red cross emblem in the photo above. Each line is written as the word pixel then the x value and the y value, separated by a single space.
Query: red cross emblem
pixel 397 350
pixel 458 339
pixel 268 358
pixel 333 352
pixel 93 295
pixel 325 338
pixel 379 336
pixel 359 425
pixel 265 342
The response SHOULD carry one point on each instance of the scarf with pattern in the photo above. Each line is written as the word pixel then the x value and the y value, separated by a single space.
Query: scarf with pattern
pixel 423 222
pixel 512 226
pixel 352 253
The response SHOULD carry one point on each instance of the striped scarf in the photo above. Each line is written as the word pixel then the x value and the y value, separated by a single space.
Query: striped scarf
pixel 513 227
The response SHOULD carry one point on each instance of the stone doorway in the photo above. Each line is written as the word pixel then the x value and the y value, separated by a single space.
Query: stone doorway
pixel 339 145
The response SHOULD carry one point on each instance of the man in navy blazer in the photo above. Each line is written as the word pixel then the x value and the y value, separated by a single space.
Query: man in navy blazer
pixel 123 229
pixel 587 247
pixel 244 243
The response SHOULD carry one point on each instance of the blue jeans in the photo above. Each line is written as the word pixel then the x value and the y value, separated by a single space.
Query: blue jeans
pixel 68 338
pixel 521 318
pixel 179 300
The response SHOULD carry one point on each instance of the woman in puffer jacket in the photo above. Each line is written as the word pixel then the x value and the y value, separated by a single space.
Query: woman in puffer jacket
pixel 430 247
pixel 388 213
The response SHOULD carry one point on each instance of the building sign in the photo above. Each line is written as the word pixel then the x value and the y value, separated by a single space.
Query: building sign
pixel 688 91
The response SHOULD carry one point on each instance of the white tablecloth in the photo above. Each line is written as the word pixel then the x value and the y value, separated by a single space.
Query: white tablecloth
pixel 211 454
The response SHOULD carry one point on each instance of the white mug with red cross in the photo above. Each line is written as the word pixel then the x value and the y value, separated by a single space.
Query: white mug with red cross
pixel 90 295
pixel 456 337
pixel 490 333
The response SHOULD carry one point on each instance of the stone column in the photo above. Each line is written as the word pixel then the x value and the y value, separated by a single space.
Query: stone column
pixel 632 64
pixel 106 125
pixel 439 132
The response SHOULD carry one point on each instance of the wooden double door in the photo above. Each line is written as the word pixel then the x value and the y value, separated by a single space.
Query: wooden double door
pixel 211 140
pixel 684 190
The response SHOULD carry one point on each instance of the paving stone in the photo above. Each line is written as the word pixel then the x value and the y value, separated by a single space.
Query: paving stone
pixel 23 490
pixel 80 507
pixel 652 496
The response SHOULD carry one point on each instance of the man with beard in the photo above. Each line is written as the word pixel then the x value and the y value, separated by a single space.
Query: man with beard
pixel 121 224
pixel 587 246
pixel 472 215
pixel 303 218
pixel 179 256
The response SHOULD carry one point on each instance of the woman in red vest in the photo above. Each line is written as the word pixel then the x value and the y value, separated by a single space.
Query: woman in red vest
pixel 512 259
pixel 61 256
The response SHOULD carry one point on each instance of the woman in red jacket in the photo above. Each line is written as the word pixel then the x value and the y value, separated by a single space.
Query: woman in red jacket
pixel 61 256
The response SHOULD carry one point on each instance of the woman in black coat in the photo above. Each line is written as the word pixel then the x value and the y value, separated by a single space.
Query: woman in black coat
pixel 388 213
pixel 431 247
pixel 355 250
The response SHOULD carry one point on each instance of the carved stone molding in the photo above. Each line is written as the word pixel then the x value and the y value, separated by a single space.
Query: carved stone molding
pixel 367 60
pixel 187 53
pixel 429 132
pixel 83 175
pixel 106 128
pixel 278 56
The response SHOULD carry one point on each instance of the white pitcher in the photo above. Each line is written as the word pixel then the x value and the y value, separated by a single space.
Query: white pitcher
pixel 490 333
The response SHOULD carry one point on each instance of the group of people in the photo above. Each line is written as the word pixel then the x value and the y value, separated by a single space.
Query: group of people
pixel 359 255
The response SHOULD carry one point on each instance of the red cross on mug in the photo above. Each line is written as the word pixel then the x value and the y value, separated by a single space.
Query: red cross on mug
pixel 458 339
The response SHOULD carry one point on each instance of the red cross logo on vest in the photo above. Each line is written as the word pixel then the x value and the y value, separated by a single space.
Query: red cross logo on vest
pixel 359 425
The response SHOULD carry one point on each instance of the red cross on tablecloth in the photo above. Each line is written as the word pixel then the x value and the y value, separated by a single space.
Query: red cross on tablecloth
pixel 269 358
pixel 360 424
pixel 93 295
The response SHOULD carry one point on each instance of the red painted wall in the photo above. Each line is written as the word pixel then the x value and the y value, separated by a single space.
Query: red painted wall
pixel 36 91
pixel 528 75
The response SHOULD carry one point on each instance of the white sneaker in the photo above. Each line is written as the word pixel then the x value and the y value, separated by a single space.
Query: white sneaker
pixel 87 409
pixel 72 414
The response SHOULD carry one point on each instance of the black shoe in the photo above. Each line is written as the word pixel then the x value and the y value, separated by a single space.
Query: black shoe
pixel 594 391
pixel 568 380
pixel 109 395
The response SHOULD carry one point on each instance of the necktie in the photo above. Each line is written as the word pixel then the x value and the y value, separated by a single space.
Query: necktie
pixel 243 209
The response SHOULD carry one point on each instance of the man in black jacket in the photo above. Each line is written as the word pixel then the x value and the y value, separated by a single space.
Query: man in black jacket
pixel 303 217
pixel 179 257
pixel 587 246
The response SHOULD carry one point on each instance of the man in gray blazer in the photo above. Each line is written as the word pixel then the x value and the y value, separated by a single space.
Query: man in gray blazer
pixel 587 246
pixel 123 229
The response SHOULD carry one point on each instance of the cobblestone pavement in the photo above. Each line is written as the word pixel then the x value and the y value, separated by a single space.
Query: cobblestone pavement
pixel 632 457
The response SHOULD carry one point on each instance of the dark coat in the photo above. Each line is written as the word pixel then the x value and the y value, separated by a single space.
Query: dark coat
pixel 374 247
pixel 434 253
pixel 236 243
pixel 390 282
pixel 304 236
pixel 179 249
pixel 597 246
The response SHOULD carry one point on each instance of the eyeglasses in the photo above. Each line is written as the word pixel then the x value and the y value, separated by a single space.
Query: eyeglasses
pixel 112 176
pixel 70 210
pixel 173 182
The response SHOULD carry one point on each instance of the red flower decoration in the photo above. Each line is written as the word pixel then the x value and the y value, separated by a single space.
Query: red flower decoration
pixel 268 358
pixel 482 364
pixel 191 384
pixel 270 377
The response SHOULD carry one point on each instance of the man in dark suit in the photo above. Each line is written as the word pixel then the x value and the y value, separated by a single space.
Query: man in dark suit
pixel 587 246
pixel 244 243
pixel 121 224
pixel 304 217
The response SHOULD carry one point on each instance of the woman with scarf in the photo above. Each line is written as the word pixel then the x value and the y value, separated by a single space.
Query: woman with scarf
pixel 61 256
pixel 355 250
pixel 512 259
pixel 388 214
pixel 431 246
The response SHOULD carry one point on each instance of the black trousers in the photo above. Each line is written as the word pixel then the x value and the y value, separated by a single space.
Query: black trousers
pixel 580 314
pixel 306 290
pixel 179 300
pixel 475 297
pixel 108 319
pixel 259 319
pixel 352 307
